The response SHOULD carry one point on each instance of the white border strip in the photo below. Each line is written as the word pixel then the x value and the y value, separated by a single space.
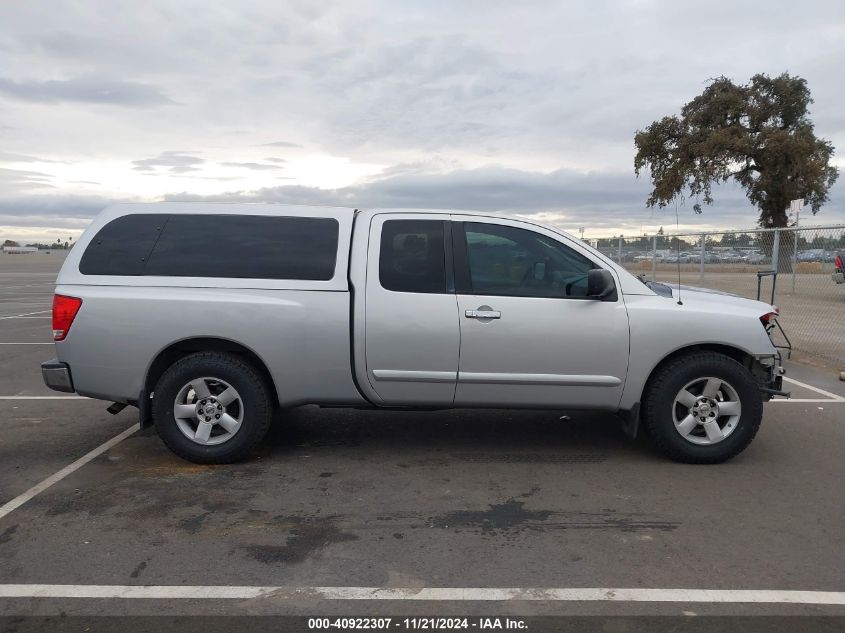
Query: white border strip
pixel 812 388
pixel 18 501
pixel 436 594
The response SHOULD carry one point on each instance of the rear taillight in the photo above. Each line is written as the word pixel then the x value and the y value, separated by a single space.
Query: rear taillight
pixel 837 261
pixel 64 311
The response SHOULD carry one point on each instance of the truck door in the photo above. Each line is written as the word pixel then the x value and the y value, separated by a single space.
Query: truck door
pixel 412 331
pixel 529 334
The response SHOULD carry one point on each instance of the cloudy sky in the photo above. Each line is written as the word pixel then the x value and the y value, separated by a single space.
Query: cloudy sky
pixel 523 107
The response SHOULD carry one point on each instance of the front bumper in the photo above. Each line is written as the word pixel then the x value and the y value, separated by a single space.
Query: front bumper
pixel 775 387
pixel 768 372
pixel 57 376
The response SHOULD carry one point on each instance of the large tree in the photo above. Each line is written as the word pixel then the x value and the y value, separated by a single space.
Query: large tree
pixel 757 134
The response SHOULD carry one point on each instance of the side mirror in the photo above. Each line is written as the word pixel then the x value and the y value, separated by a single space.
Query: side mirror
pixel 600 285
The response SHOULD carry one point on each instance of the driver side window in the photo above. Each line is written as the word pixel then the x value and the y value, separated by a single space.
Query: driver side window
pixel 514 262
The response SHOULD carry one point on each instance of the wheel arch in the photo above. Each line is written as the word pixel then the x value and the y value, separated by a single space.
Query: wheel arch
pixel 741 356
pixel 183 347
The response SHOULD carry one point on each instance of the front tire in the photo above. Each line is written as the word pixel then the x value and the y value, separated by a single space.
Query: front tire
pixel 702 408
pixel 212 408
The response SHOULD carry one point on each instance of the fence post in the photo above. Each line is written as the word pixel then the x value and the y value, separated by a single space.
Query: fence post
pixel 794 256
pixel 620 250
pixel 776 251
pixel 654 258
pixel 701 265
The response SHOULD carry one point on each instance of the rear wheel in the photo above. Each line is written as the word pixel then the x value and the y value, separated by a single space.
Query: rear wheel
pixel 212 408
pixel 702 408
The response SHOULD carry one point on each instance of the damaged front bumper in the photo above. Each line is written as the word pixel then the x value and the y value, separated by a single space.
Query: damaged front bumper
pixel 769 372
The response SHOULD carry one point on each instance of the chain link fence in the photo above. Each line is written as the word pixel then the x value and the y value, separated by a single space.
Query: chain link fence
pixel 805 289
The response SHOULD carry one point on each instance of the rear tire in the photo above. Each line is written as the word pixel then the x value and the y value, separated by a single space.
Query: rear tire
pixel 702 408
pixel 212 408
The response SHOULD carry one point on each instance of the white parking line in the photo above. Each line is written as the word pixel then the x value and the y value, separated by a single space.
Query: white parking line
pixel 436 594
pixel 812 388
pixel 35 300
pixel 26 315
pixel 18 501
pixel 44 398
pixel 828 400
pixel 21 306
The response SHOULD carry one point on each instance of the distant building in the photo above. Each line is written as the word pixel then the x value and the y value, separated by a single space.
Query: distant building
pixel 18 250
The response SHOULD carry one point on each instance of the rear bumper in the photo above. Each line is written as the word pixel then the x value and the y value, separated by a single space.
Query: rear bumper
pixel 57 376
pixel 838 277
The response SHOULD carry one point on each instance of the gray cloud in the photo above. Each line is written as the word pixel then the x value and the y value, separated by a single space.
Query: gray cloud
pixel 434 91
pixel 14 180
pixel 85 90
pixel 253 166
pixel 53 210
pixel 567 198
pixel 6 157
pixel 280 144
pixel 176 162
pixel 600 202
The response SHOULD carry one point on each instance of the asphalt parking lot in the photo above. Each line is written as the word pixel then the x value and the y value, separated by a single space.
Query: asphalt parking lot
pixel 361 512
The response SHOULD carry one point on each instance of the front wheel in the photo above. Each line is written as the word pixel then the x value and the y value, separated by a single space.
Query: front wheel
pixel 212 408
pixel 702 408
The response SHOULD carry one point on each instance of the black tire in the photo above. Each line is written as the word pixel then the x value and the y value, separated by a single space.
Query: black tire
pixel 671 378
pixel 254 394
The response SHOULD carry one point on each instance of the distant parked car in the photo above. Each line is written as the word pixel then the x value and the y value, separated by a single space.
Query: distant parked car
pixel 754 258
pixel 813 255
pixel 839 275
pixel 647 257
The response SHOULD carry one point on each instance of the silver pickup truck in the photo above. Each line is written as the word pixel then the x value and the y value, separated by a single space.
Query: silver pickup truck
pixel 210 317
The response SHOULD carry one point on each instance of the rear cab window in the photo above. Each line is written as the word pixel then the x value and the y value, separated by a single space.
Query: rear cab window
pixel 412 257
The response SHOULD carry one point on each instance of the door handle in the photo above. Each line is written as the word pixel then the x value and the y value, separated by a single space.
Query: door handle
pixel 483 314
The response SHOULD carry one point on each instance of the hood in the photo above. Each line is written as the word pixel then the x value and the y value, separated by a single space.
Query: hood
pixel 709 291
pixel 708 295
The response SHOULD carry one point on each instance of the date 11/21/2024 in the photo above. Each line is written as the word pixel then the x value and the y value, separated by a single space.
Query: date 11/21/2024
pixel 418 623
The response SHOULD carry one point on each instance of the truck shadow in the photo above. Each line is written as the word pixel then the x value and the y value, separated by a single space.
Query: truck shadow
pixel 494 434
